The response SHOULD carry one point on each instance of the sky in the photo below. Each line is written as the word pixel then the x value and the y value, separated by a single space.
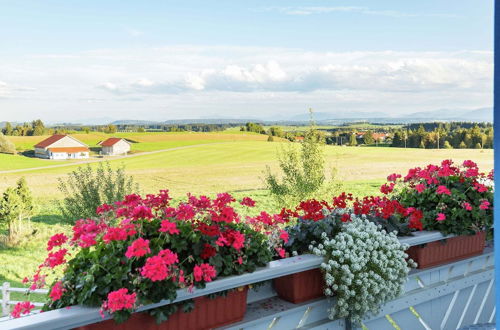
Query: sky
pixel 75 61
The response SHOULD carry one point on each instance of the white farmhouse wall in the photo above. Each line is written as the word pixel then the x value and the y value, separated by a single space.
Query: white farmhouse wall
pixel 66 142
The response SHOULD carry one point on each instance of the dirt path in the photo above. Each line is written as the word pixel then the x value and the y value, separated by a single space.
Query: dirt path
pixel 96 160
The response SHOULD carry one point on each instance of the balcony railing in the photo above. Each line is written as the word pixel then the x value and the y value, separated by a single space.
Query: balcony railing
pixel 445 297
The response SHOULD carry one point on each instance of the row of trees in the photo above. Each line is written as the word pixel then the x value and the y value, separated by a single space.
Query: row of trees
pixel 444 136
pixel 36 127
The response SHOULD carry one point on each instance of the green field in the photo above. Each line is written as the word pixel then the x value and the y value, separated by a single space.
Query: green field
pixel 235 166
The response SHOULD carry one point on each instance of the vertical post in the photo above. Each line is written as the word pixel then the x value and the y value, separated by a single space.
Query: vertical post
pixel 5 298
pixel 496 126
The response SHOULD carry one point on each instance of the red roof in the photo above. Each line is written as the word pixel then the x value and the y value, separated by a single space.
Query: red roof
pixel 110 142
pixel 48 141
pixel 70 149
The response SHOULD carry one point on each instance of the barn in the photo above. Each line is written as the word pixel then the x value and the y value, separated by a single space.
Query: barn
pixel 61 146
pixel 115 146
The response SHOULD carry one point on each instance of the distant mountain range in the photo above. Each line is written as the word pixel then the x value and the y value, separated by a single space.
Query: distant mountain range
pixel 475 115
pixel 325 118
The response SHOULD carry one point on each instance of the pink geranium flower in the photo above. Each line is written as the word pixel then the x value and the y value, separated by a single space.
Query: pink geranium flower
pixel 443 190
pixel 138 248
pixel 441 217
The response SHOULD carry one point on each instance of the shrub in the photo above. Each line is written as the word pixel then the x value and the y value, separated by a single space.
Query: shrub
pixel 6 146
pixel 86 188
pixel 452 199
pixel 142 250
pixel 364 267
pixel 303 173
pixel 16 209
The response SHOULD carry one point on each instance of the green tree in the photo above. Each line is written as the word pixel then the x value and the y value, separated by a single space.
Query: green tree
pixel 16 208
pixel 110 129
pixel 368 138
pixel 270 138
pixel 38 128
pixel 276 131
pixel 478 146
pixel 352 139
pixel 141 130
pixel 88 187
pixel 447 145
pixel 86 129
pixel 462 145
pixel 6 146
pixel 7 130
pixel 302 173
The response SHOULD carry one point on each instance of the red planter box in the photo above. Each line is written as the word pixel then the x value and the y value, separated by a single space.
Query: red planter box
pixel 445 251
pixel 207 314
pixel 300 287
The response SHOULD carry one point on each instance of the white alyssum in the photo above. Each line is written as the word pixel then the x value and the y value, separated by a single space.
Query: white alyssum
pixel 364 267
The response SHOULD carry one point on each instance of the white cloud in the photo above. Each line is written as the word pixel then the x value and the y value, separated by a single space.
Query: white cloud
pixel 191 81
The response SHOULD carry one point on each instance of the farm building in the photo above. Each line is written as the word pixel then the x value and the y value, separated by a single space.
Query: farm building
pixel 115 146
pixel 61 147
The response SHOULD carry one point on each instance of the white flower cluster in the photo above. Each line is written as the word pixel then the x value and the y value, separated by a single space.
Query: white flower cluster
pixel 364 267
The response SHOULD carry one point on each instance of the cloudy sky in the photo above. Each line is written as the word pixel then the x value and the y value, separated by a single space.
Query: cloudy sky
pixel 159 60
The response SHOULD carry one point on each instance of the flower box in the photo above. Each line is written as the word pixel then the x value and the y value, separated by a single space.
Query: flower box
pixel 449 250
pixel 300 287
pixel 207 314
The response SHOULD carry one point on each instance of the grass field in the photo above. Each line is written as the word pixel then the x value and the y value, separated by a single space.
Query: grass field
pixel 236 166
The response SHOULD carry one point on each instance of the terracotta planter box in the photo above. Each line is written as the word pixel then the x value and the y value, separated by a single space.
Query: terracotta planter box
pixel 300 287
pixel 449 250
pixel 207 314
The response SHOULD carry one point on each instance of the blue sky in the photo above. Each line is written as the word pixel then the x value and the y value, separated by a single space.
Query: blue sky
pixel 73 60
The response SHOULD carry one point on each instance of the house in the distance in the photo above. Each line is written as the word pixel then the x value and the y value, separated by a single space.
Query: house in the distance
pixel 114 146
pixel 61 147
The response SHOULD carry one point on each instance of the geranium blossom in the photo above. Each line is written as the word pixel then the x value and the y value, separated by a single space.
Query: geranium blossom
pixel 168 227
pixel 208 251
pixel 55 258
pixel 56 240
pixel 204 272
pixel 467 206
pixel 57 291
pixel 443 190
pixel 247 201
pixel 155 269
pixel 138 248
pixel 420 187
pixel 142 212
pixel 119 300
pixel 441 217
pixel 21 308
pixel 484 205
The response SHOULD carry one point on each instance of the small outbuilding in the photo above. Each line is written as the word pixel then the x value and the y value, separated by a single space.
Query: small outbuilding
pixel 114 146
pixel 61 146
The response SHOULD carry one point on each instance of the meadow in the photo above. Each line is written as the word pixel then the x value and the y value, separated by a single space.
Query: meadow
pixel 212 163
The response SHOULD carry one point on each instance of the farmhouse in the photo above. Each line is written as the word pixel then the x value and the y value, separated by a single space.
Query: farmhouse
pixel 61 147
pixel 114 146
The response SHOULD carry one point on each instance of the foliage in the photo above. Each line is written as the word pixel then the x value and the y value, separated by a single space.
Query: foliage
pixel 303 173
pixel 88 187
pixel 142 250
pixel 6 146
pixel 16 208
pixel 352 140
pixel 364 267
pixel 452 199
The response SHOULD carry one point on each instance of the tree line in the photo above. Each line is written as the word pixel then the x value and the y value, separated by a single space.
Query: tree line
pixel 445 136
